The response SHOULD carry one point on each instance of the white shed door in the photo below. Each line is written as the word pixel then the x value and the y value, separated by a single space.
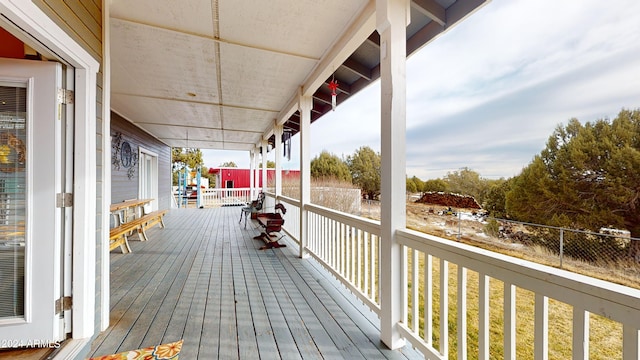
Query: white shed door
pixel 30 221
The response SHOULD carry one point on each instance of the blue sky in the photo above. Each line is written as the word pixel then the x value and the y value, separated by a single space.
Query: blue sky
pixel 488 93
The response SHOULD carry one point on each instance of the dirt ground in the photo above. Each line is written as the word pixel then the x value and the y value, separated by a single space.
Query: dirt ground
pixel 434 220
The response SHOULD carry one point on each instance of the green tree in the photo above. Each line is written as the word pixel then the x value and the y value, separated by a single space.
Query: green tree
pixel 411 186
pixel 495 200
pixel 229 164
pixel 186 157
pixel 270 165
pixel 466 182
pixel 328 165
pixel 531 197
pixel 212 178
pixel 182 158
pixel 588 176
pixel 364 166
pixel 418 183
pixel 435 185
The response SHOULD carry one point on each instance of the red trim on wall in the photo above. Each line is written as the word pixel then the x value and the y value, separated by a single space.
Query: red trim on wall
pixel 10 46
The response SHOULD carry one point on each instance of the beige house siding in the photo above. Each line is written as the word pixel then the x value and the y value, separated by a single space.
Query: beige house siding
pixel 82 21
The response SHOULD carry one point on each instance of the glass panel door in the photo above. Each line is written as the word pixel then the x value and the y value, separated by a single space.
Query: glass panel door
pixel 30 221
pixel 13 132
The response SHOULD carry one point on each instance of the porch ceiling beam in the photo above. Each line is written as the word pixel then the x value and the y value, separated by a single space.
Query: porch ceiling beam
pixel 431 9
pixel 374 39
pixel 462 9
pixel 323 98
pixel 424 36
pixel 343 87
pixel 293 126
pixel 351 39
pixel 357 68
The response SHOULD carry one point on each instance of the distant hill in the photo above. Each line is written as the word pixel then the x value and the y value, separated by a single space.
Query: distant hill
pixel 449 200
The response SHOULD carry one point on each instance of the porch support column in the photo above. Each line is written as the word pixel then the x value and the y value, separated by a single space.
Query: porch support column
pixel 278 149
pixel 252 184
pixel 305 104
pixel 256 176
pixel 392 17
pixel 264 145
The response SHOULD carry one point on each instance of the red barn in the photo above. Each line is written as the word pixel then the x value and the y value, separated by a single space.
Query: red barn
pixel 232 178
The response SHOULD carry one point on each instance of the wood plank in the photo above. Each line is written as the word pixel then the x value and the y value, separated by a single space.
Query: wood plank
pixel 203 279
pixel 329 290
pixel 303 339
pixel 265 339
pixel 158 289
pixel 210 339
pixel 129 301
pixel 327 334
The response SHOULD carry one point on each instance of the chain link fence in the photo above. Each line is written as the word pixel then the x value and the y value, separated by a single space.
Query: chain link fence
pixel 604 247
pixel 609 254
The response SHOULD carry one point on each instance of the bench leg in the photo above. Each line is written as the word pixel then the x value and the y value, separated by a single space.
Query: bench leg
pixel 124 244
pixel 141 234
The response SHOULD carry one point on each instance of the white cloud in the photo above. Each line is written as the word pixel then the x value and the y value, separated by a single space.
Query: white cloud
pixel 488 93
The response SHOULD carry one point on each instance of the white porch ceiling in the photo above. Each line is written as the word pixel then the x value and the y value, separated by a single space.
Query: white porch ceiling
pixel 220 73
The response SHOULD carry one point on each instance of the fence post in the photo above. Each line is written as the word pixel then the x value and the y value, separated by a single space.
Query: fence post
pixel 561 246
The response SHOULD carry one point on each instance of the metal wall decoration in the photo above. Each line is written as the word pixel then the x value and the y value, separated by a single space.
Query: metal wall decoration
pixel 123 155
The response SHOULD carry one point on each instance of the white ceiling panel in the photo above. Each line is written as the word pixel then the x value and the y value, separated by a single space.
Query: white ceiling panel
pixel 224 70
pixel 259 79
pixel 159 111
pixel 193 16
pixel 302 27
pixel 237 146
pixel 174 132
pixel 159 63
pixel 196 144
pixel 232 136
pixel 248 119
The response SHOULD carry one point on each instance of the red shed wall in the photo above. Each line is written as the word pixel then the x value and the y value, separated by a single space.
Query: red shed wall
pixel 241 177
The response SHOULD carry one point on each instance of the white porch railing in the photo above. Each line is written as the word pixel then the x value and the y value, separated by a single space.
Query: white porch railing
pixel 225 197
pixel 348 246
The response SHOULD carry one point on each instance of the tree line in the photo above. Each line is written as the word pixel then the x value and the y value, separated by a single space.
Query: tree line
pixel 587 177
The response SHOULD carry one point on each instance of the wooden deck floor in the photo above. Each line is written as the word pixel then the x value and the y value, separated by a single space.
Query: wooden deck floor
pixel 203 279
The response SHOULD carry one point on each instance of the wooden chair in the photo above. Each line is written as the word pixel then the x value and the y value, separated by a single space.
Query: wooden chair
pixel 272 224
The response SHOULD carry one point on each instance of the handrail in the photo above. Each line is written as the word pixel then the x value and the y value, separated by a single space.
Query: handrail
pixel 559 284
pixel 370 226
pixel 348 247
pixel 586 295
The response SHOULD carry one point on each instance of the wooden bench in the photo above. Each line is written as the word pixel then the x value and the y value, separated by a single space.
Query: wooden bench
pixel 118 234
pixel 150 219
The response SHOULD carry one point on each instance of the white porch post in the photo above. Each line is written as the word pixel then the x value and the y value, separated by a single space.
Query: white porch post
pixel 392 18
pixel 252 185
pixel 304 106
pixel 278 149
pixel 256 175
pixel 264 145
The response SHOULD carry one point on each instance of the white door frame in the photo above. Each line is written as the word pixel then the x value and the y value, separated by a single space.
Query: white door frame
pixel 144 176
pixel 44 33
